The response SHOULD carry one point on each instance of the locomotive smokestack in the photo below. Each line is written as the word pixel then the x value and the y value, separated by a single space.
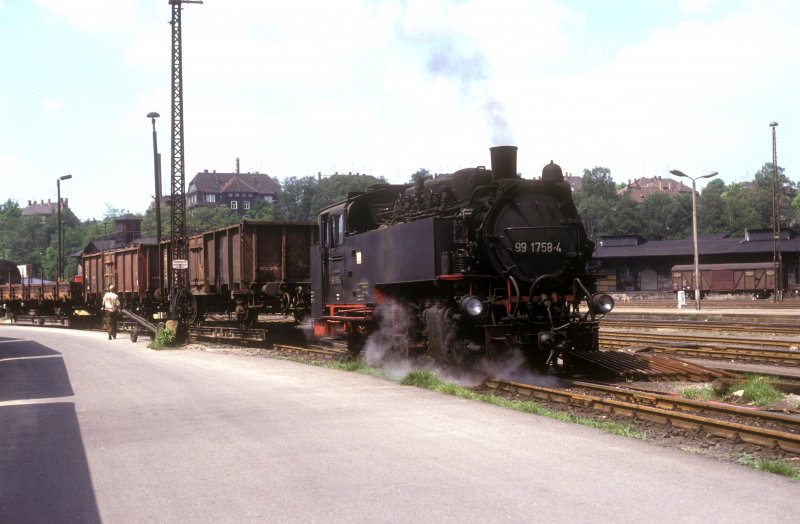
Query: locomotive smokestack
pixel 504 162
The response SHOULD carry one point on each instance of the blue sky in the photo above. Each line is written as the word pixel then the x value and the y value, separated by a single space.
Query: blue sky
pixel 387 87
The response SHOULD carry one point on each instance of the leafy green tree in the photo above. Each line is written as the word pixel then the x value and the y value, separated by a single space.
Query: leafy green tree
pixel 626 217
pixel 303 198
pixel 295 198
pixel 665 216
pixel 596 201
pixel 204 218
pixel 711 208
pixel 763 194
pixel 261 210
pixel 149 222
pixel 10 220
pixel 740 211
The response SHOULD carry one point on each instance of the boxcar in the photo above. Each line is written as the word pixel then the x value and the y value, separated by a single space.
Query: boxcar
pixel 754 277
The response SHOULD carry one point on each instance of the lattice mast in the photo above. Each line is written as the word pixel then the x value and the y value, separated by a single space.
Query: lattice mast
pixel 777 258
pixel 178 179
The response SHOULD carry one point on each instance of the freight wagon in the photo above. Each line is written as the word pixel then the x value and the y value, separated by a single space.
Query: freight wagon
pixel 752 278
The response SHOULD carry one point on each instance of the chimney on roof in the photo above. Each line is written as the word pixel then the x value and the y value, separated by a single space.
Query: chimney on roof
pixel 29 203
pixel 205 170
pixel 319 176
pixel 237 166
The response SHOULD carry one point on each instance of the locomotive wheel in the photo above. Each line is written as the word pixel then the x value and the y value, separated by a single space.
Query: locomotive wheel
pixel 355 343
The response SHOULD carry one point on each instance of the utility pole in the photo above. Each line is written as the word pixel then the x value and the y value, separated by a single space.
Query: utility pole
pixel 776 221
pixel 178 293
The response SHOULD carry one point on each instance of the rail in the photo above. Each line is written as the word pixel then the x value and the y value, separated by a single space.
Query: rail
pixel 665 411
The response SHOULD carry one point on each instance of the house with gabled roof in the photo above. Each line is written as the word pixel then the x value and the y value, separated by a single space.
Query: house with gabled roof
pixel 641 188
pixel 237 191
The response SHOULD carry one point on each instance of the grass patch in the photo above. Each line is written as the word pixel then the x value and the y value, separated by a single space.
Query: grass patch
pixel 355 365
pixel 757 390
pixel 702 393
pixel 429 380
pixel 773 466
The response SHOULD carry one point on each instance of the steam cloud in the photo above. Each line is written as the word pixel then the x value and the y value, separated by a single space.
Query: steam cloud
pixel 395 321
pixel 469 69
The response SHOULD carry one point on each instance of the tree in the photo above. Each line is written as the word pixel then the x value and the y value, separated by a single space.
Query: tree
pixel 711 208
pixel 665 216
pixel 204 218
pixel 261 210
pixel 303 198
pixel 10 219
pixel 294 200
pixel 149 222
pixel 595 202
pixel 763 194
pixel 626 217
pixel 740 211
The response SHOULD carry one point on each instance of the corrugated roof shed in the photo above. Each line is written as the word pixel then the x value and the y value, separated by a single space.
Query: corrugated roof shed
pixel 755 241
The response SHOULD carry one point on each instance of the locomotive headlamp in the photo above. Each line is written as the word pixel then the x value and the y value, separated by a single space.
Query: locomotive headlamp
pixel 471 305
pixel 602 303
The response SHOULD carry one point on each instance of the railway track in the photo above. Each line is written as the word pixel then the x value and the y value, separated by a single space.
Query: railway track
pixel 315 352
pixel 768 430
pixel 705 325
pixel 775 352
pixel 793 303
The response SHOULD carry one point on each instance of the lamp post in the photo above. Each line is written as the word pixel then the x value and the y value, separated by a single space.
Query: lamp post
pixel 697 284
pixel 58 190
pixel 157 174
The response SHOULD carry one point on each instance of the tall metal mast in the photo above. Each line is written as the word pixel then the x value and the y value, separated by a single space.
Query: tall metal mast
pixel 777 257
pixel 178 178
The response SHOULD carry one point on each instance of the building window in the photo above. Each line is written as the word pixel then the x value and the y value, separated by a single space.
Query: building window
pixel 269 199
pixel 212 198
pixel 234 204
pixel 246 204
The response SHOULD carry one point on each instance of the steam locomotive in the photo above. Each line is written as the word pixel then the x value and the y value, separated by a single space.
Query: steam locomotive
pixel 460 267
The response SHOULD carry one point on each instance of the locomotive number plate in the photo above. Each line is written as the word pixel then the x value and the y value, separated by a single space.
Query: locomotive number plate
pixel 558 240
pixel 537 247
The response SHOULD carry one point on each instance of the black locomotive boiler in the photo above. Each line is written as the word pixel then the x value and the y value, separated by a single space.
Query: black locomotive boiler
pixel 462 266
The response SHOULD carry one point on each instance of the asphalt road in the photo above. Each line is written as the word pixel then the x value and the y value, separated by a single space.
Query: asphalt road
pixel 93 430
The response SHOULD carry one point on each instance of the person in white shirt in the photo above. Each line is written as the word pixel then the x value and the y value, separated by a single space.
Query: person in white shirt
pixel 111 308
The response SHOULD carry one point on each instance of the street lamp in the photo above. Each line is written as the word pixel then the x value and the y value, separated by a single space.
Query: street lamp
pixel 157 174
pixel 697 284
pixel 58 190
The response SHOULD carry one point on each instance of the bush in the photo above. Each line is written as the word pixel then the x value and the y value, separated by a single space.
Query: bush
pixel 165 338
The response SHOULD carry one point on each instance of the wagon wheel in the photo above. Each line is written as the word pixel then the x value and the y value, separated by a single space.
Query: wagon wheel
pixel 134 334
pixel 184 306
